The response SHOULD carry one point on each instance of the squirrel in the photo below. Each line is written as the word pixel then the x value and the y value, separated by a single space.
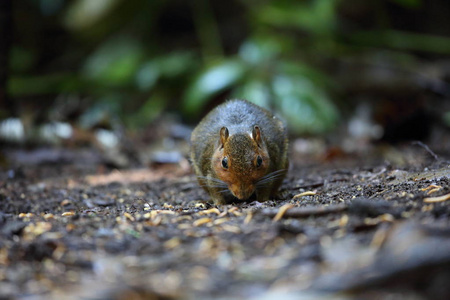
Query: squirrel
pixel 239 150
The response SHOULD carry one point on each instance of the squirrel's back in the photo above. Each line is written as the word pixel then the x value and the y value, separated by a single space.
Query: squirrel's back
pixel 240 116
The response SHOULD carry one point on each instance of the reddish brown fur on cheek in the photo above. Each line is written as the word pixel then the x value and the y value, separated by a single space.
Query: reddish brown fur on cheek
pixel 225 175
pixel 263 170
pixel 258 173
pixel 221 173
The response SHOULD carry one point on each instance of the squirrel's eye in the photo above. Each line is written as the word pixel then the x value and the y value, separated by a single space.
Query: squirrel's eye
pixel 225 162
pixel 258 161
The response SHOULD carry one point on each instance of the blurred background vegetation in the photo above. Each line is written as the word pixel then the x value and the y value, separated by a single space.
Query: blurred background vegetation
pixel 316 62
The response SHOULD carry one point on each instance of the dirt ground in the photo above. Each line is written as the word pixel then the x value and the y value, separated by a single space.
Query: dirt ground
pixel 374 225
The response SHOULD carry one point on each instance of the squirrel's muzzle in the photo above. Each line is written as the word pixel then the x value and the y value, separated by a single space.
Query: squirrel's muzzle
pixel 242 191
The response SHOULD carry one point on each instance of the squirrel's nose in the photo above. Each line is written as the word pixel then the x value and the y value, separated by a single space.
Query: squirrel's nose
pixel 242 192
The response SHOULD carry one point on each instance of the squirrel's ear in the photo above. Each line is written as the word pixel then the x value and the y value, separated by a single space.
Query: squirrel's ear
pixel 223 135
pixel 256 135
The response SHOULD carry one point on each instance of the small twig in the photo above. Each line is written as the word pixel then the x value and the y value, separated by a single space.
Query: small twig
pixel 303 212
pixel 424 146
pixel 437 199
pixel 432 189
pixel 307 193
pixel 282 211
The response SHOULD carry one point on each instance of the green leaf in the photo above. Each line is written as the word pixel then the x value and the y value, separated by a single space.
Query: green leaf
pixel 115 62
pixel 176 64
pixel 171 66
pixel 83 14
pixel 147 75
pixel 210 82
pixel 259 51
pixel 254 91
pixel 151 109
pixel 304 106
pixel 403 41
pixel 297 69
pixel 317 17
pixel 43 84
pixel 21 59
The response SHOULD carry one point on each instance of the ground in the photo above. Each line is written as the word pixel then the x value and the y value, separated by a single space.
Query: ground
pixel 366 226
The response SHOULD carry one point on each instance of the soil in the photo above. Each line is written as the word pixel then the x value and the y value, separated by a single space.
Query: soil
pixel 365 226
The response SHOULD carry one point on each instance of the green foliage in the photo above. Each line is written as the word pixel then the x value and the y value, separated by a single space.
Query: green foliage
pixel 114 63
pixel 259 75
pixel 85 14
pixel 44 84
pixel 316 17
pixel 136 58
pixel 305 106
pixel 150 110
pixel 21 60
pixel 403 41
pixel 211 81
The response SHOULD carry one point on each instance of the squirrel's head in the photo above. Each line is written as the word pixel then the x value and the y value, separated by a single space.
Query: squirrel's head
pixel 241 160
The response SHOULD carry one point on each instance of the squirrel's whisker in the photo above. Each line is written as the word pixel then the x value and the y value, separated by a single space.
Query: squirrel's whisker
pixel 212 182
pixel 273 174
pixel 211 179
pixel 224 191
pixel 214 186
pixel 270 177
